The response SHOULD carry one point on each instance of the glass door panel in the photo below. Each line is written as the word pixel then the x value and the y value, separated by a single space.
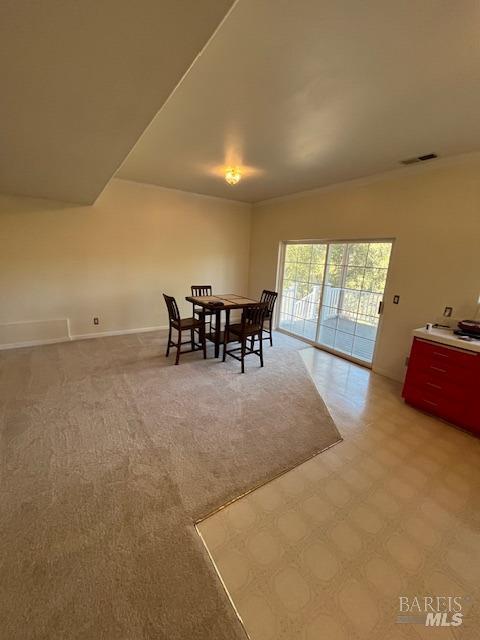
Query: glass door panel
pixel 354 286
pixel 302 288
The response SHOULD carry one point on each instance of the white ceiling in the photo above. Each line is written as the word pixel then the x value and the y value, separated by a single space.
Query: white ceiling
pixel 306 93
pixel 81 79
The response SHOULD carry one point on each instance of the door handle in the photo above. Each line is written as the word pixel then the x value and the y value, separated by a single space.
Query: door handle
pixel 380 307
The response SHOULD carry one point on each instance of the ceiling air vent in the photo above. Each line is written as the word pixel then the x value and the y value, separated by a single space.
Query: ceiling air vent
pixel 427 156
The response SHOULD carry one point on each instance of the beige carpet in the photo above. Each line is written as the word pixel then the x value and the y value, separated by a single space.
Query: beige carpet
pixel 108 455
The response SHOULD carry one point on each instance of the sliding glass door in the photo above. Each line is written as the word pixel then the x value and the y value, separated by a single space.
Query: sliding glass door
pixel 332 294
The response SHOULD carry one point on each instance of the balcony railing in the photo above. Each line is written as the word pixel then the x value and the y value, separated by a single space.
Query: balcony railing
pixel 307 307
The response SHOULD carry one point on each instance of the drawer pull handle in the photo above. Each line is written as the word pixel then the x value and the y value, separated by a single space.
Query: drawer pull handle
pixel 430 402
pixel 439 353
pixel 435 386
pixel 438 369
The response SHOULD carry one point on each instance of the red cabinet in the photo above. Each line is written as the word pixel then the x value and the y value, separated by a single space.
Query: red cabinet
pixel 445 381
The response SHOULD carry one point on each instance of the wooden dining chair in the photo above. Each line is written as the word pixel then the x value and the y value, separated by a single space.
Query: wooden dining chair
pixel 184 324
pixel 269 297
pixel 203 290
pixel 245 332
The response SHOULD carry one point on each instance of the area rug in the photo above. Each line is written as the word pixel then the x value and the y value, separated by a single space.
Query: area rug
pixel 109 454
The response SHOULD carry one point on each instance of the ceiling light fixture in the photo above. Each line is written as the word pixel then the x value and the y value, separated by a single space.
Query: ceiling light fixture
pixel 232 175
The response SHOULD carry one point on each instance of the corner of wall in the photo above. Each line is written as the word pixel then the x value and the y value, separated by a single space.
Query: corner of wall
pixel 250 252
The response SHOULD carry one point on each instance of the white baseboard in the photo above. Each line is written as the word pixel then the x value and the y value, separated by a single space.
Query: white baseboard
pixel 120 332
pixel 32 343
pixel 82 336
pixel 386 373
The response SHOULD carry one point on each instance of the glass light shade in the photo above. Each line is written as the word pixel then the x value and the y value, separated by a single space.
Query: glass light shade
pixel 232 176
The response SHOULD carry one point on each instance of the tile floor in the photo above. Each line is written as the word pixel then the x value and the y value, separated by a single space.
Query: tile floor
pixel 324 551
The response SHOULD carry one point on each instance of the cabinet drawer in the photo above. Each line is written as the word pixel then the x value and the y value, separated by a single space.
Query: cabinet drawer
pixel 441 358
pixel 444 374
pixel 438 386
pixel 452 410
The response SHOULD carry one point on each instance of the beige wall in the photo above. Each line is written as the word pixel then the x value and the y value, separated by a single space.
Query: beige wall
pixel 434 215
pixel 114 259
pixel 60 265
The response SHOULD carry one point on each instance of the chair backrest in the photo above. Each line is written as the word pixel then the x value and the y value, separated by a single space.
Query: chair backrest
pixel 254 315
pixel 270 297
pixel 173 312
pixel 201 289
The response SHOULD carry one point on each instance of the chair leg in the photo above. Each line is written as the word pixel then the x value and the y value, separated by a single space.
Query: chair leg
pixel 270 327
pixel 203 340
pixel 244 344
pixel 218 314
pixel 252 343
pixel 169 341
pixel 225 342
pixel 192 339
pixel 261 350
pixel 179 341
pixel 226 332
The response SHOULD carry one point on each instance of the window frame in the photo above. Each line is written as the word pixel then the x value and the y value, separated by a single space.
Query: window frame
pixel 283 244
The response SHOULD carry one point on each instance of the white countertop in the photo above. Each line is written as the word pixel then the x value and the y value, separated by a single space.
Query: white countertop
pixel 446 336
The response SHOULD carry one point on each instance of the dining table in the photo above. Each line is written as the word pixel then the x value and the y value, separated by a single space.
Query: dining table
pixel 216 304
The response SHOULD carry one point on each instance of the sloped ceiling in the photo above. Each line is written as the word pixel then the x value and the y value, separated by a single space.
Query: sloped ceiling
pixel 81 79
pixel 306 93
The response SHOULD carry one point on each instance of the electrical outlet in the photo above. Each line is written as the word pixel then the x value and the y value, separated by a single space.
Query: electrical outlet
pixel 96 320
pixel 448 312
pixel 396 299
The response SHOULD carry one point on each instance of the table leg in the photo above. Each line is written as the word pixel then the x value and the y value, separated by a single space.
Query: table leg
pixel 225 333
pixel 218 314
